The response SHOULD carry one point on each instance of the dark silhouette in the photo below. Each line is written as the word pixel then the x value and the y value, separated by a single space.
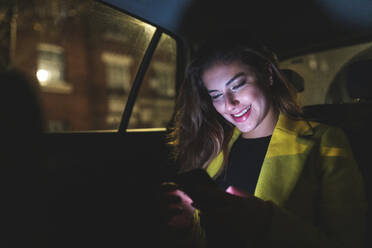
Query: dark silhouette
pixel 23 173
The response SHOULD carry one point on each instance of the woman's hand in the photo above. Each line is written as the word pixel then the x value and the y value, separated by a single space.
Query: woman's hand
pixel 233 212
pixel 237 215
pixel 179 213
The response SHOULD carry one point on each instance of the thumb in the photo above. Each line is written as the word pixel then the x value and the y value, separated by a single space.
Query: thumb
pixel 237 191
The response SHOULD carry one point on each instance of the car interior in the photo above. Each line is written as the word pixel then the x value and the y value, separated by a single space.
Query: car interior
pixel 108 73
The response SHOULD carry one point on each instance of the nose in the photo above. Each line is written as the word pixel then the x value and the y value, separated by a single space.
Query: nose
pixel 231 102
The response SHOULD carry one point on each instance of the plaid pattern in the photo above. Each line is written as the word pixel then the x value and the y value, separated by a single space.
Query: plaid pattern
pixel 310 174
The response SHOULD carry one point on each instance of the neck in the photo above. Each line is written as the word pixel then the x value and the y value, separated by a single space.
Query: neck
pixel 266 128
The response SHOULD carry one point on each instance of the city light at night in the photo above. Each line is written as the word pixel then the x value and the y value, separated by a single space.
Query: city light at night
pixel 42 75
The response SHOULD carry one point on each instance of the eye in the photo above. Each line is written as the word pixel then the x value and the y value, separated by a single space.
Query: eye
pixel 235 87
pixel 216 97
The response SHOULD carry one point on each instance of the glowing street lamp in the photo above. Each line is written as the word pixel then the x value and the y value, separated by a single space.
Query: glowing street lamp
pixel 42 75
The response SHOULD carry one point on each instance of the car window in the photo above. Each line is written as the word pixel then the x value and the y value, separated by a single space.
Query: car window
pixel 155 102
pixel 324 73
pixel 84 57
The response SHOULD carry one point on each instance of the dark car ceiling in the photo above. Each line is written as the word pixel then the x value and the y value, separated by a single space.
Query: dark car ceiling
pixel 289 27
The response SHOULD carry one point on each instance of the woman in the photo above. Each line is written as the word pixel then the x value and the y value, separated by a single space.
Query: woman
pixel 288 182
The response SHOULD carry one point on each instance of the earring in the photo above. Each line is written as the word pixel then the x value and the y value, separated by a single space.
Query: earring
pixel 271 80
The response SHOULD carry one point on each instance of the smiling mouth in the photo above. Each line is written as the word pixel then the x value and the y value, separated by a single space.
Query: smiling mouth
pixel 242 115
pixel 242 112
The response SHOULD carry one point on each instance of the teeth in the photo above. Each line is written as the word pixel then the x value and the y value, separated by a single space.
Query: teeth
pixel 243 112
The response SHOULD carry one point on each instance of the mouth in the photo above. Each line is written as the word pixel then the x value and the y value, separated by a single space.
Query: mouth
pixel 242 115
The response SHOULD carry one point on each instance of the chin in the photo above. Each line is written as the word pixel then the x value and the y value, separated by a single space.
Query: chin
pixel 245 129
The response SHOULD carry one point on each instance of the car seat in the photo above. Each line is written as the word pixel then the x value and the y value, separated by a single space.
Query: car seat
pixel 296 79
pixel 356 120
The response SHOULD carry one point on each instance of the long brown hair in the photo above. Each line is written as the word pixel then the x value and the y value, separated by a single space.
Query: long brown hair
pixel 200 132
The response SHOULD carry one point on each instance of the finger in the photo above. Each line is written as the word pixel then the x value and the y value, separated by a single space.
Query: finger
pixel 170 213
pixel 180 221
pixel 169 186
pixel 237 191
pixel 173 211
pixel 172 199
pixel 206 197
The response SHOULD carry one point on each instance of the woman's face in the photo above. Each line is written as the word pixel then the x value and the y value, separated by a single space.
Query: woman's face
pixel 236 94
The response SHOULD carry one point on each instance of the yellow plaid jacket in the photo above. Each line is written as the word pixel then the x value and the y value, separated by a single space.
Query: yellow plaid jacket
pixel 310 174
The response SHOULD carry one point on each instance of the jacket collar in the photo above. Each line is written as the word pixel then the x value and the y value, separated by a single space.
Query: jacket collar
pixel 302 127
pixel 285 159
pixel 284 143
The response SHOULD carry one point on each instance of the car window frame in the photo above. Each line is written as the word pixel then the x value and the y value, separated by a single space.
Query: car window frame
pixel 141 72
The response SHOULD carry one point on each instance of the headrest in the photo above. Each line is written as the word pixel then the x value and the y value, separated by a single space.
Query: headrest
pixel 359 79
pixel 296 79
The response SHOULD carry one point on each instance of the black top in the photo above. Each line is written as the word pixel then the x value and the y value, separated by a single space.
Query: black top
pixel 244 165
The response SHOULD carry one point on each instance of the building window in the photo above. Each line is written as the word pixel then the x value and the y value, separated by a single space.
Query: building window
pixel 160 80
pixel 118 83
pixel 51 68
pixel 57 126
pixel 116 104
pixel 118 76
pixel 156 99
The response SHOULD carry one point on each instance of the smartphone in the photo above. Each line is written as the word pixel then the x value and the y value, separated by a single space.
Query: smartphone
pixel 191 181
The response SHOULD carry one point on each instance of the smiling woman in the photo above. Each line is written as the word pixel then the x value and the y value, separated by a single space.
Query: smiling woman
pixel 223 81
pixel 283 180
pixel 242 100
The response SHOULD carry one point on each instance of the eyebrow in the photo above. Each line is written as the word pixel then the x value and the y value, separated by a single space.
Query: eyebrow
pixel 230 81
